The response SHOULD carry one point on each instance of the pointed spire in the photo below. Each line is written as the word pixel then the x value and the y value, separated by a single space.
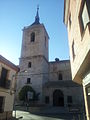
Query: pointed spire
pixel 37 16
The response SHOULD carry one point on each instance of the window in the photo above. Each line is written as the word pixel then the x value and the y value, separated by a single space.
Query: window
pixel 1 104
pixel 29 65
pixel 47 99
pixel 73 50
pixel 45 41
pixel 32 37
pixel 28 80
pixel 70 20
pixel 69 100
pixel 59 76
pixel 84 15
pixel 3 78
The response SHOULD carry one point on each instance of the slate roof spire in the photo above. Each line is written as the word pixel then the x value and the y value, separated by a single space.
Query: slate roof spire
pixel 37 16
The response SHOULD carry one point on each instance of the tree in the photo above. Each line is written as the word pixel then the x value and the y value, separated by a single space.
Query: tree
pixel 23 93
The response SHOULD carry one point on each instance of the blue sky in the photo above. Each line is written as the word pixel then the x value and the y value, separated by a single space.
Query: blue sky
pixel 15 14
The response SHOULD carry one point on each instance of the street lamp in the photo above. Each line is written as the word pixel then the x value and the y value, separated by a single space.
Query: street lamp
pixel 14 86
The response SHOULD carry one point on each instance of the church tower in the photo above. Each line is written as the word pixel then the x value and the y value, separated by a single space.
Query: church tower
pixel 34 57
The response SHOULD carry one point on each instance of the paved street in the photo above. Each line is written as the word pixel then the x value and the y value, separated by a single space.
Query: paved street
pixel 28 116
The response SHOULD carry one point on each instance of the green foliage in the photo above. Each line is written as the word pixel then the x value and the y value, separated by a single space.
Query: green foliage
pixel 23 92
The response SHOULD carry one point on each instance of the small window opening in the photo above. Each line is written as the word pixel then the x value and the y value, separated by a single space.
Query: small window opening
pixel 28 80
pixel 32 37
pixel 59 76
pixel 45 42
pixel 70 20
pixel 73 50
pixel 29 65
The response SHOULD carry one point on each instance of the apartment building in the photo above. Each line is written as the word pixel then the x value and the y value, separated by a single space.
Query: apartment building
pixel 8 73
pixel 77 21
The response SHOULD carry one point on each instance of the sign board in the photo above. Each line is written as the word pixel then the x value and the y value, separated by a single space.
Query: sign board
pixel 29 95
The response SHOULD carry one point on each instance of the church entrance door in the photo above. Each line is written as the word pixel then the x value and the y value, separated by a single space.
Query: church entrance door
pixel 58 98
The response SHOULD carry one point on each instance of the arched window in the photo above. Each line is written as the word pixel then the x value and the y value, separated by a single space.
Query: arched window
pixel 32 37
pixel 59 76
pixel 29 65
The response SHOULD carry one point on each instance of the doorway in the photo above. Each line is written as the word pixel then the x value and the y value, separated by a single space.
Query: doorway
pixel 58 98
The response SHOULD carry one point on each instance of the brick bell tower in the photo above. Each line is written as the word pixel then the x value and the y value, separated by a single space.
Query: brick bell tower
pixel 34 57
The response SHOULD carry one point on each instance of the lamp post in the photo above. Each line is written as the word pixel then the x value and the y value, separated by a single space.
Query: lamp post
pixel 14 86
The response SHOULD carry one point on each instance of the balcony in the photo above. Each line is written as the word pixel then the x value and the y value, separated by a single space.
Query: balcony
pixel 5 83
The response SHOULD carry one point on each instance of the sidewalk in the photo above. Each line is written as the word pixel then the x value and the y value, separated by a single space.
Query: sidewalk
pixel 29 116
pixel 13 118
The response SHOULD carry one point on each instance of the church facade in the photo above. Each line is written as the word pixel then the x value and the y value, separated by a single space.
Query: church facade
pixel 51 80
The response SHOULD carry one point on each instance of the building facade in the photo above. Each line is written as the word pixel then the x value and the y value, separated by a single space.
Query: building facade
pixel 51 80
pixel 60 90
pixel 77 20
pixel 7 87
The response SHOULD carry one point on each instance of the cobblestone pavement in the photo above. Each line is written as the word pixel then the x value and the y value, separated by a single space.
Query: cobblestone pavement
pixel 29 116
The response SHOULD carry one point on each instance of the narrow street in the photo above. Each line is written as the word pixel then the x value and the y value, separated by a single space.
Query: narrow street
pixel 28 116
